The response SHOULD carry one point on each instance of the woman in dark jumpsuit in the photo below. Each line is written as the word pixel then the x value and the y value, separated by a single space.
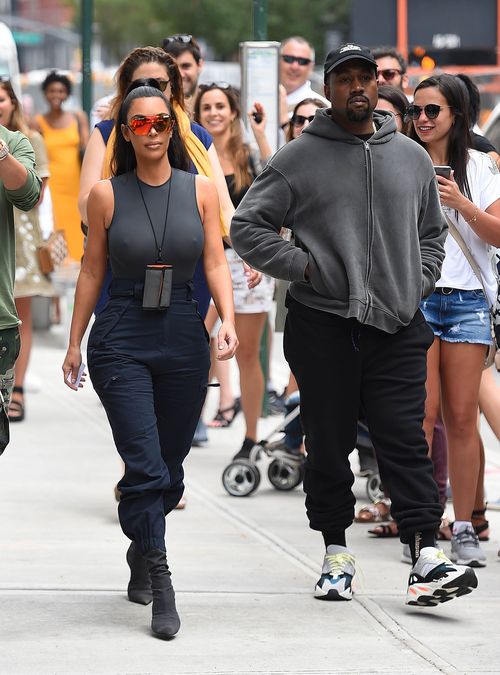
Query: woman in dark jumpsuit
pixel 150 366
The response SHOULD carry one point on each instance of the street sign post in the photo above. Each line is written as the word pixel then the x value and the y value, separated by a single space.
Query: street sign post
pixel 87 11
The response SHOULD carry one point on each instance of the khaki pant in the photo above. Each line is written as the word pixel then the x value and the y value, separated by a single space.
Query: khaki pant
pixel 9 350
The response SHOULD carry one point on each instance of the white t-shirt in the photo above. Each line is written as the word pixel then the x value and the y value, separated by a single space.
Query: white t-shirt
pixel 304 91
pixel 484 184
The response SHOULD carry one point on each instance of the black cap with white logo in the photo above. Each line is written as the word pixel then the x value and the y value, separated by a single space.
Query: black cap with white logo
pixel 346 53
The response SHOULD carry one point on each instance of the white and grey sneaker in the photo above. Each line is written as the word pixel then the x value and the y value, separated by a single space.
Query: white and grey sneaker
pixel 465 549
pixel 435 579
pixel 337 573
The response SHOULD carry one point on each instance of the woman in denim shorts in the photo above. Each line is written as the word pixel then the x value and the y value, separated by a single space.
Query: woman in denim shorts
pixel 458 310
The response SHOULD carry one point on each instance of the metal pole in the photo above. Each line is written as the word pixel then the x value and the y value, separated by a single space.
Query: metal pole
pixel 260 33
pixel 402 27
pixel 87 11
pixel 260 19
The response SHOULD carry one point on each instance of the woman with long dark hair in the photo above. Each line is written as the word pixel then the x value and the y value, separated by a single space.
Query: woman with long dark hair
pixel 217 108
pixel 392 99
pixel 148 351
pixel 153 62
pixel 458 310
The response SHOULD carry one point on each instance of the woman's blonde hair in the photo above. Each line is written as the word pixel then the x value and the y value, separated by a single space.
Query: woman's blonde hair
pixel 17 121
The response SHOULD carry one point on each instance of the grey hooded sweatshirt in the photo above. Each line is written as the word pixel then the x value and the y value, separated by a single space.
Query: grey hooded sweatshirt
pixel 366 218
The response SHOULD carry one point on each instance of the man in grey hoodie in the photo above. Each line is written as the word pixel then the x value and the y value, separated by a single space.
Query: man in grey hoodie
pixel 362 202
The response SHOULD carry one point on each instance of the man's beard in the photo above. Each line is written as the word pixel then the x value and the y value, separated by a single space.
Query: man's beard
pixel 190 89
pixel 358 115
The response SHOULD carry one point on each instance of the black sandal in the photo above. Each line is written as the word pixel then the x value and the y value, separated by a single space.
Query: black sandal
pixel 479 514
pixel 16 407
pixel 220 421
pixel 478 529
pixel 385 530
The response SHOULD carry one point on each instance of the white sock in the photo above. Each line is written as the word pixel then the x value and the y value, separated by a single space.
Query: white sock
pixel 460 526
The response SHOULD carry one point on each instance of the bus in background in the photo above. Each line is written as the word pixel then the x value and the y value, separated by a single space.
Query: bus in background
pixel 9 64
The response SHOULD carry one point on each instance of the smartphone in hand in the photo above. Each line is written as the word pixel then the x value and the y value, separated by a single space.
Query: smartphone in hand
pixel 444 171
pixel 76 383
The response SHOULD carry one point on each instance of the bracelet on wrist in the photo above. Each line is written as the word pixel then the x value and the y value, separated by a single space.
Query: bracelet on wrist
pixel 473 218
pixel 4 150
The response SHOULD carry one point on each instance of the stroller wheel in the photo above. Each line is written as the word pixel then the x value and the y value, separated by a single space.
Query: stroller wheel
pixel 240 478
pixel 285 474
pixel 374 488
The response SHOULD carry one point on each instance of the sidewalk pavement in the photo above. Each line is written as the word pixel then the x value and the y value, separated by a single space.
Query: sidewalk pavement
pixel 244 568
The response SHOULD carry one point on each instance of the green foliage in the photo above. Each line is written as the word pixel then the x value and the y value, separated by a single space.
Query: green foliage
pixel 223 24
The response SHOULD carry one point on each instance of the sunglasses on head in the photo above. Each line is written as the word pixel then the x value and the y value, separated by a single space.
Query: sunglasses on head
pixel 389 73
pixel 156 82
pixel 185 39
pixel 287 58
pixel 215 85
pixel 162 84
pixel 300 120
pixel 431 110
pixel 141 125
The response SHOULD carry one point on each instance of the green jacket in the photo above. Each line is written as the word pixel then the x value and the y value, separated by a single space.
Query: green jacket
pixel 24 199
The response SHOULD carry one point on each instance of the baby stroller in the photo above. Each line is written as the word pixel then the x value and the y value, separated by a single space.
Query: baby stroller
pixel 368 464
pixel 286 471
pixel 241 477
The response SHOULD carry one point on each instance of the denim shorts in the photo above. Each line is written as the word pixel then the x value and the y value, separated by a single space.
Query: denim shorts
pixel 458 316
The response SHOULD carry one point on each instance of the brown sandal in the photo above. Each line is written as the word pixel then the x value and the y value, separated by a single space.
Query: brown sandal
pixel 445 529
pixel 374 513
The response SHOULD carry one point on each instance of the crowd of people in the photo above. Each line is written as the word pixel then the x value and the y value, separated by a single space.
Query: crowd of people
pixel 372 228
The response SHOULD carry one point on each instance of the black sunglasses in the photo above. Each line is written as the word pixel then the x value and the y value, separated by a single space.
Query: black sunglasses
pixel 389 73
pixel 300 120
pixel 163 84
pixel 431 110
pixel 185 39
pixel 156 82
pixel 287 58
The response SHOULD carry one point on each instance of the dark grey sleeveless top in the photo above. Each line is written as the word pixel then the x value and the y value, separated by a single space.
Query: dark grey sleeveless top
pixel 131 244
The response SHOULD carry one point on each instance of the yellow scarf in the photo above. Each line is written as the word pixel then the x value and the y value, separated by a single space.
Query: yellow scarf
pixel 195 148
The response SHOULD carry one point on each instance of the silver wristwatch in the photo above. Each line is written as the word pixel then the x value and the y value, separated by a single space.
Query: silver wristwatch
pixel 4 150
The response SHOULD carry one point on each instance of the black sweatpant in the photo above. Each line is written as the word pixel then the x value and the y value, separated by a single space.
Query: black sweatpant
pixel 341 365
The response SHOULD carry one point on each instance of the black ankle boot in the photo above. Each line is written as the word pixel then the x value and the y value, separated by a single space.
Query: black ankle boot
pixel 165 622
pixel 139 586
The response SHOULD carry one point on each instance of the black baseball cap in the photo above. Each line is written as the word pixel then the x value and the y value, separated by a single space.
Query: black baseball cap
pixel 345 53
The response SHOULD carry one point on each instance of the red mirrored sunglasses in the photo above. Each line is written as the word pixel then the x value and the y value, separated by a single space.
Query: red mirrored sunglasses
pixel 141 125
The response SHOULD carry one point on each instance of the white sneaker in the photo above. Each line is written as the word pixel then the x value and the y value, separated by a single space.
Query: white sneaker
pixel 465 549
pixel 435 579
pixel 336 575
